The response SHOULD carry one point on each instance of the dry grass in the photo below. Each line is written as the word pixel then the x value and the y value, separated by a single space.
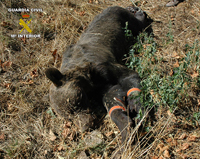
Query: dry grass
pixel 28 126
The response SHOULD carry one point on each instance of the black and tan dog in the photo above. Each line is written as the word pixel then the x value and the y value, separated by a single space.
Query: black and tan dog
pixel 94 64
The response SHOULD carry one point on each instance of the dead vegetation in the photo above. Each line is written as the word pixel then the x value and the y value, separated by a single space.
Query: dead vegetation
pixel 29 128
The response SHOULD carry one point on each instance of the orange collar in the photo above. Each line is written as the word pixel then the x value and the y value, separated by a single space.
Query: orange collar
pixel 116 107
pixel 132 90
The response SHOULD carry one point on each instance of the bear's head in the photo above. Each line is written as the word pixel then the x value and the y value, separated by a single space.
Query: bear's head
pixel 67 93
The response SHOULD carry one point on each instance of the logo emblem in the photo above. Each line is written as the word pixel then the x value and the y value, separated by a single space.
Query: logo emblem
pixel 25 25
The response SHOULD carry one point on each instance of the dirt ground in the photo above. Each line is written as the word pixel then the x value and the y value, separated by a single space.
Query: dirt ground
pixel 29 128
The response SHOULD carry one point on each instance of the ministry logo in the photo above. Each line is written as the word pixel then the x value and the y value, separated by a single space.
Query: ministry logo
pixel 25 22
pixel 25 25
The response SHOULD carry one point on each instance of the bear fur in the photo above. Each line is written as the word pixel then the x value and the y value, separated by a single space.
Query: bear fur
pixel 93 67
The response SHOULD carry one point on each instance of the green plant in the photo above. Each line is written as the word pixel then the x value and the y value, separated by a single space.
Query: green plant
pixel 197 116
pixel 170 34
pixel 128 33
pixel 99 149
pixel 158 88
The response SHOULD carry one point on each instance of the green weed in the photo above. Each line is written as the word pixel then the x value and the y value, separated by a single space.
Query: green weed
pixel 12 148
pixel 98 149
pixel 160 88
pixel 197 116
pixel 170 34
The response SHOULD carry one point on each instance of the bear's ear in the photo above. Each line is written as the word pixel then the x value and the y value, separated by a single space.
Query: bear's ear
pixel 55 76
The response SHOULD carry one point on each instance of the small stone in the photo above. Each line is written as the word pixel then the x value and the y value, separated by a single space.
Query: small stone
pixel 172 3
pixel 84 121
pixel 82 155
pixel 94 139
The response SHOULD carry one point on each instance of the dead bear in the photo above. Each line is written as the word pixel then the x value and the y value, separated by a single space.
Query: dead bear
pixel 94 66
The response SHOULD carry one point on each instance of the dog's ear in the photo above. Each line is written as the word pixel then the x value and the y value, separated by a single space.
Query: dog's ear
pixel 55 76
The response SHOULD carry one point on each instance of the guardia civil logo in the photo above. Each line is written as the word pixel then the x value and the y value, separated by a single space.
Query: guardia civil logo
pixel 25 21
pixel 24 24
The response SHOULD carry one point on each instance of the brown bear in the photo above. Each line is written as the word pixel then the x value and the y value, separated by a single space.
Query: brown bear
pixel 93 68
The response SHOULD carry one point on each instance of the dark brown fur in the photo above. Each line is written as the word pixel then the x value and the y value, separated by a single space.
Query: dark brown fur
pixel 93 66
